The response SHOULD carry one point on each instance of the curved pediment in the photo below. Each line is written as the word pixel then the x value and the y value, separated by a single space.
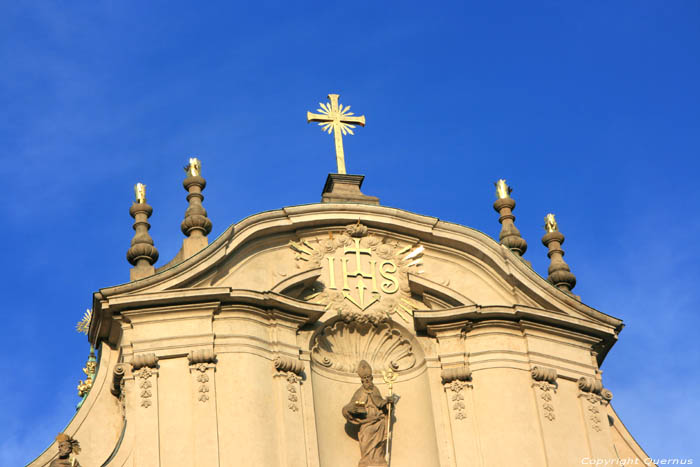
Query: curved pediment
pixel 373 260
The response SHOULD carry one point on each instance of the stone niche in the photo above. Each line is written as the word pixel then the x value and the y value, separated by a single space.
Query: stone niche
pixel 336 348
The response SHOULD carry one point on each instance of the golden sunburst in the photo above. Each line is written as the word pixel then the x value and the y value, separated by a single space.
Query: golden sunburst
pixel 84 324
pixel 336 117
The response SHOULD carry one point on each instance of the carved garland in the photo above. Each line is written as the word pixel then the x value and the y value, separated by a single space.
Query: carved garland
pixel 596 395
pixel 201 361
pixel 290 369
pixel 144 375
pixel 341 345
pixel 546 382
pixel 145 365
pixel 455 380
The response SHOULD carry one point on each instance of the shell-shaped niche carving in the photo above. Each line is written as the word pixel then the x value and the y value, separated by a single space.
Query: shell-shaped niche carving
pixel 342 345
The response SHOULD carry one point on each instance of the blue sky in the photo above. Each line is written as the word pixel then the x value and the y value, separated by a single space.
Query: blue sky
pixel 588 109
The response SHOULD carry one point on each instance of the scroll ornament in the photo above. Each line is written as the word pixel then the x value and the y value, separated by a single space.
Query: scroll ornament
pixel 455 380
pixel 200 361
pixel 596 395
pixel 546 384
pixel 291 369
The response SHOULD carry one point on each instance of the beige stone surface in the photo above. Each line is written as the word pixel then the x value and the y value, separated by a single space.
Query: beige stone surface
pixel 244 353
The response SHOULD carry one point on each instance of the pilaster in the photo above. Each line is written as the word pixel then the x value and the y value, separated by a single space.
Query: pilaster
pixel 142 408
pixel 458 395
pixel 202 366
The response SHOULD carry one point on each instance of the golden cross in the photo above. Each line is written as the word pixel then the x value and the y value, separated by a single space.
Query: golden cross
pixel 336 119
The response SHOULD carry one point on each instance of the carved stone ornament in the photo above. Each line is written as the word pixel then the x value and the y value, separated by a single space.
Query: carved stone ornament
pixel 117 378
pixel 365 277
pixel 287 364
pixel 540 373
pixel 67 448
pixel 461 373
pixel 200 362
pixel 341 345
pixel 545 385
pixel 145 385
pixel 595 396
pixel 144 359
pixel 202 379
pixel 201 356
pixel 291 369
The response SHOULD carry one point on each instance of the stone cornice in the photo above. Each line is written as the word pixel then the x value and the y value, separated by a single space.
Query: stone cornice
pixel 104 308
pixel 429 230
pixel 527 316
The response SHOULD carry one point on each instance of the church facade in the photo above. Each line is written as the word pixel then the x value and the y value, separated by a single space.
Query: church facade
pixel 345 333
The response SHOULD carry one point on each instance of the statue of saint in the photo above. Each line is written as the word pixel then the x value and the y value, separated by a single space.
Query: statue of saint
pixel 66 447
pixel 368 409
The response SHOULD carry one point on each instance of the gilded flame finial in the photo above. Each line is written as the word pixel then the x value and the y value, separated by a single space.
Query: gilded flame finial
pixel 550 223
pixel 336 119
pixel 502 189
pixel 194 168
pixel 140 191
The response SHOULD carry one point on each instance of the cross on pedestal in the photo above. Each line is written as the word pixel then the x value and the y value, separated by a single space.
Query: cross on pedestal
pixel 336 119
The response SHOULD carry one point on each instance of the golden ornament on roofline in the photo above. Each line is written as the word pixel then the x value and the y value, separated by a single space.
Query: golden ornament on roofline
pixel 84 324
pixel 140 191
pixel 194 168
pixel 502 189
pixel 550 223
pixel 336 119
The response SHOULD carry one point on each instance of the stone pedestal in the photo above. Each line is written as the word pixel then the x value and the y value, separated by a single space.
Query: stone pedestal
pixel 344 188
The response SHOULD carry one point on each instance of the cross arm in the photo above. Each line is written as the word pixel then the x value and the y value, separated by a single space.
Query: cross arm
pixel 311 117
pixel 356 120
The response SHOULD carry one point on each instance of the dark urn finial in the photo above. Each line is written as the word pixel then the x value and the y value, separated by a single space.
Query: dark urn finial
pixel 142 254
pixel 504 205
pixel 559 273
pixel 196 225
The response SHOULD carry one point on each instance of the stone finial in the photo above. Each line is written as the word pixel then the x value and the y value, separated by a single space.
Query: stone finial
pixel 142 253
pixel 559 273
pixel 504 205
pixel 196 225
